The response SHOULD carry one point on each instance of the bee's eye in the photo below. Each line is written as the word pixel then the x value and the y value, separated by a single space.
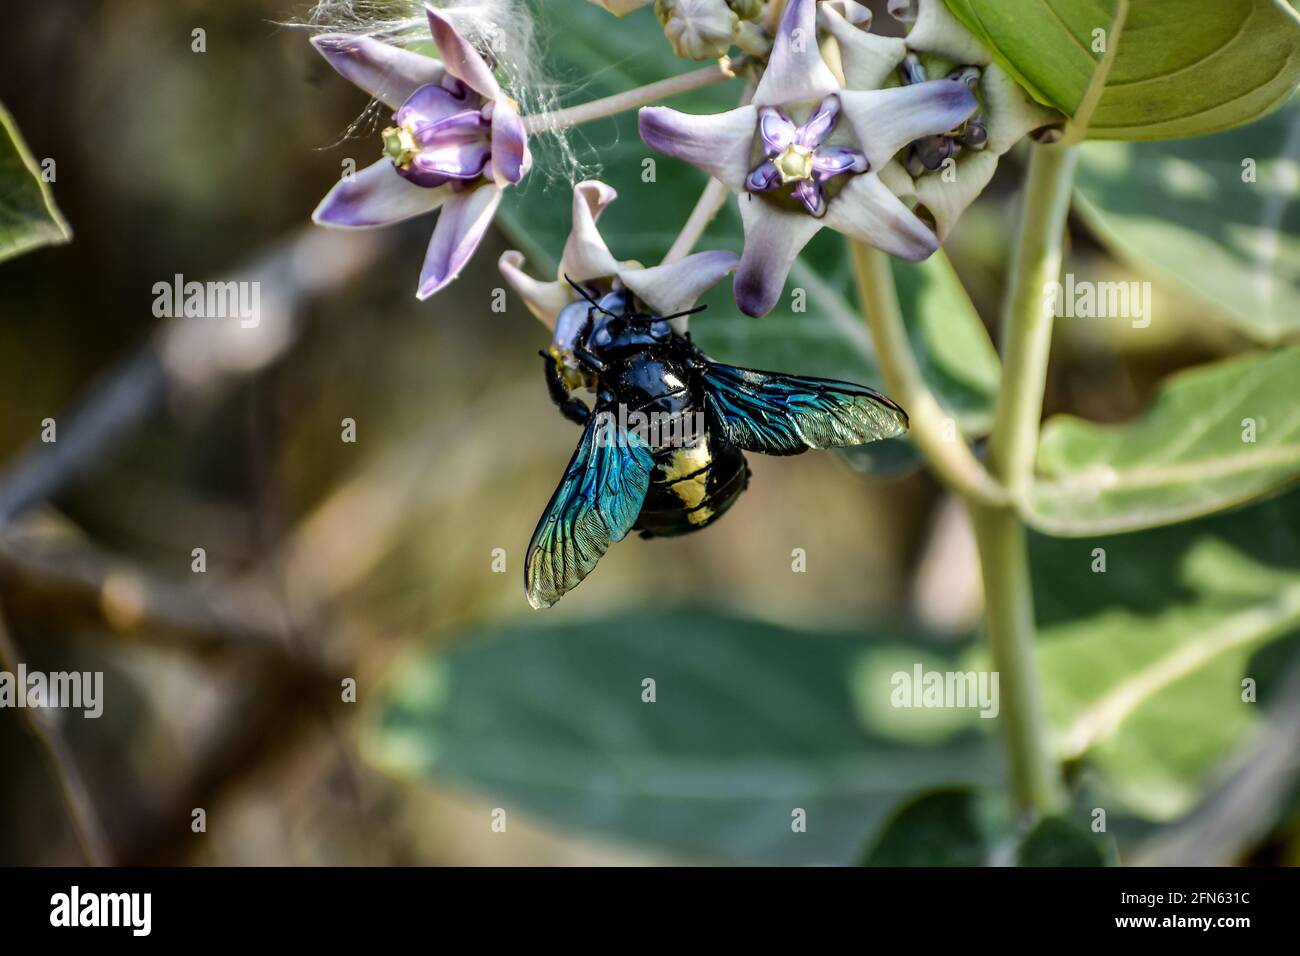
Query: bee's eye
pixel 660 330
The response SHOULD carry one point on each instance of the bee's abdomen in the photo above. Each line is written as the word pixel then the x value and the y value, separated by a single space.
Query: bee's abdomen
pixel 692 486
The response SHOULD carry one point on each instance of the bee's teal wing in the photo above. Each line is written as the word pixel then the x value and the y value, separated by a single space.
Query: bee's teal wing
pixel 596 504
pixel 787 414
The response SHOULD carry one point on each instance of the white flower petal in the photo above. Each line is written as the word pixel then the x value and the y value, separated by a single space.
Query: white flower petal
pixel 937 31
pixel 946 201
pixel 867 211
pixel 774 237
pixel 868 59
pixel 887 120
pixel 674 287
pixel 544 299
pixel 795 71
pixel 376 196
pixel 721 144
pixel 585 254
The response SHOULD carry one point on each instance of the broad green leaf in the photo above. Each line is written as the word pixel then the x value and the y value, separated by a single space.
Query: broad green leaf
pixel 817 329
pixel 1058 841
pixel 1146 638
pixel 750 722
pixel 28 217
pixel 1167 69
pixel 967 827
pixel 1215 436
pixel 950 827
pixel 1217 215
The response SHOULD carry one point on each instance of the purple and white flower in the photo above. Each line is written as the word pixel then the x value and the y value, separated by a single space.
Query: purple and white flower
pixel 456 141
pixel 806 153
pixel 664 289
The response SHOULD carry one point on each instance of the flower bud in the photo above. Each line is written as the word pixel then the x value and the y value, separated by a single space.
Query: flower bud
pixel 698 29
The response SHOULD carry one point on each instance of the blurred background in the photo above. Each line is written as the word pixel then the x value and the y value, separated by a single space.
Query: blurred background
pixel 373 560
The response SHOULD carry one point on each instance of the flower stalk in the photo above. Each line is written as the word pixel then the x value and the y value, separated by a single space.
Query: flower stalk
pixel 943 449
pixel 999 533
pixel 724 69
pixel 1027 317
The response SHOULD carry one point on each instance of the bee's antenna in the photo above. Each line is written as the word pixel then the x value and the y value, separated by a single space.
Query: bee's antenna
pixel 587 295
pixel 678 315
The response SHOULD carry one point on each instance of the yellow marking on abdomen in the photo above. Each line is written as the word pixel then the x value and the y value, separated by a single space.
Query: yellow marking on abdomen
pixel 687 461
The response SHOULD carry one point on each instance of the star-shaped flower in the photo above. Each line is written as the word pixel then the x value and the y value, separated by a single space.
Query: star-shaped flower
pixel 790 136
pixel 456 141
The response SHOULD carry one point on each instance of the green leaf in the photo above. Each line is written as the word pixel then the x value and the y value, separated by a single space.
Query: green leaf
pixel 965 827
pixel 28 217
pixel 1215 436
pixel 1059 841
pixel 950 827
pixel 1186 211
pixel 750 723
pixel 1143 656
pixel 817 329
pixel 1169 70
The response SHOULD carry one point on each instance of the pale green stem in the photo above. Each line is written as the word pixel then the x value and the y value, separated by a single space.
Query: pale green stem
pixel 1027 317
pixel 932 429
pixel 1009 623
pixel 724 69
pixel 999 533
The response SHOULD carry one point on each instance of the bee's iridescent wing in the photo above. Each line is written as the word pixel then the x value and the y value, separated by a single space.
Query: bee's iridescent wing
pixel 780 414
pixel 596 504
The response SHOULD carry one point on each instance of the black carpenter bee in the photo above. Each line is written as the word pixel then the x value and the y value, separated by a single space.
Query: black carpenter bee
pixel 662 452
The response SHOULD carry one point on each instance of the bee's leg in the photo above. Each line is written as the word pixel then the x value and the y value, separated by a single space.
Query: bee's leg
pixel 580 350
pixel 574 409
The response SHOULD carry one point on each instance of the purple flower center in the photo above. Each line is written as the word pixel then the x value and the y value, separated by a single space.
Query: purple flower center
pixel 440 134
pixel 795 155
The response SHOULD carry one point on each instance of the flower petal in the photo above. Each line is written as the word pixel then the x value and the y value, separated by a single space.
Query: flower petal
pixel 388 73
pixel 585 254
pixel 866 210
pixel 796 70
pixel 777 130
pixel 544 299
pixel 947 201
pixel 818 126
pixel 833 160
pixel 674 286
pixel 868 59
pixel 810 193
pixel 433 103
pixel 510 155
pixel 937 31
pixel 460 58
pixel 764 177
pixel 453 160
pixel 774 237
pixel 718 143
pixel 464 219
pixel 1009 112
pixel 887 120
pixel 376 196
